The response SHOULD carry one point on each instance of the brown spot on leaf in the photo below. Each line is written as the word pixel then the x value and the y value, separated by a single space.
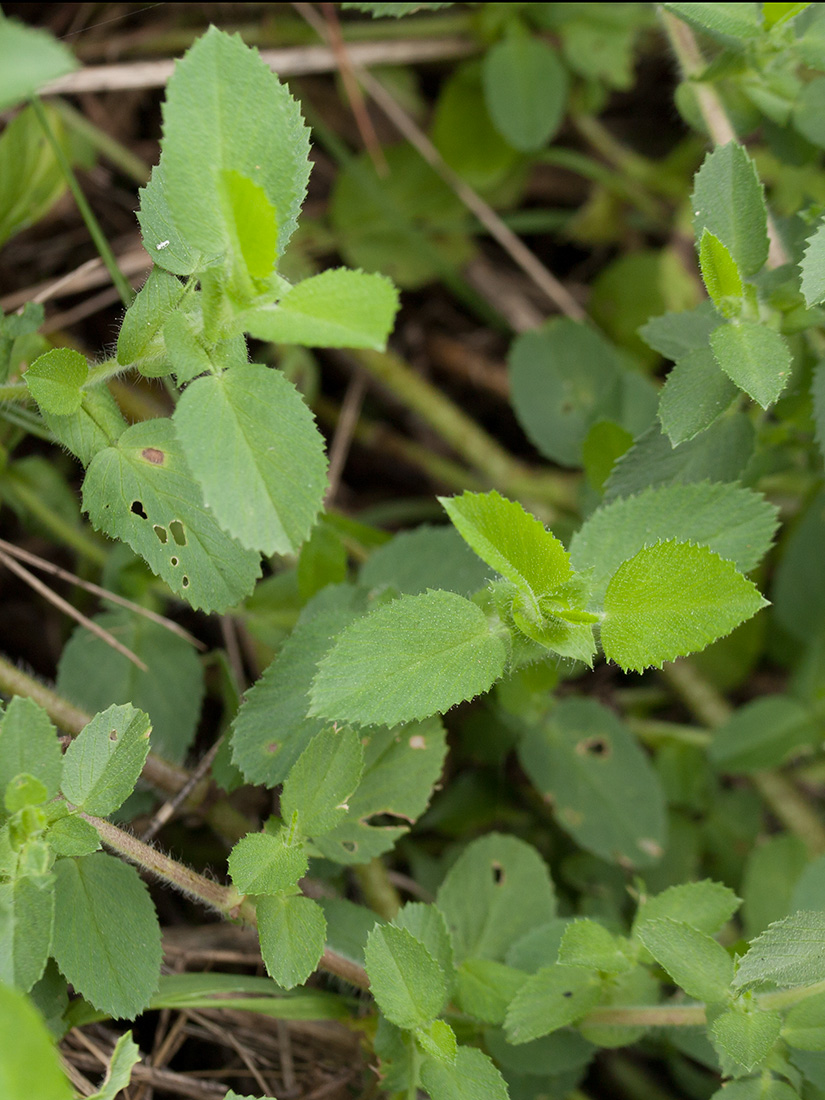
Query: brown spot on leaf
pixel 153 455
pixel 594 746
pixel 113 735
pixel 273 746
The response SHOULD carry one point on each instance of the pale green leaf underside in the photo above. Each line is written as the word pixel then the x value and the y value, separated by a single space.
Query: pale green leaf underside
pixel 670 600
pixel 406 981
pixel 291 931
pixel 415 657
pixel 336 309
pixel 693 959
pixel 103 763
pixel 225 110
pixel 251 442
pixel 510 540
pixel 145 472
pixel 106 935
pixel 790 952
pixel 737 524
pixel 755 357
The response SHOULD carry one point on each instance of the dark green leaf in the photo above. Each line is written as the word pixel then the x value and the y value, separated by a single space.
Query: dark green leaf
pixel 428 557
pixel 408 984
pixel 473 1077
pixel 695 394
pixel 525 88
pixel 762 733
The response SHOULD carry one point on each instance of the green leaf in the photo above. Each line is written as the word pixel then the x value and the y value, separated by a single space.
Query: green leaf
pixel 94 426
pixel 414 657
pixel 790 952
pixel 272 729
pixel 704 905
pixel 140 341
pixel 719 454
pixel 729 200
pixel 29 1066
pixel 31 182
pixel 106 934
pixel 676 335
pixel 755 357
pixel 55 380
pixel 554 997
pixel 261 863
pixel 670 600
pixel 525 89
pixel 428 925
pixel 336 309
pixel 409 986
pixel 497 890
pixel 588 943
pixel 322 561
pixel 804 1024
pixel 252 224
pixel 291 931
pixel 93 676
pixel 745 1034
pixel 695 394
pixel 26 923
pixel 162 238
pixel 762 733
pixel 812 267
pixel 799 583
pixel 564 379
pixel 737 21
pixel 72 836
pixel 485 988
pixel 28 744
pixel 720 275
pixel 602 787
pixel 693 959
pixel 401 767
pixel 560 1052
pixel 472 1077
pixel 510 540
pixel 103 763
pixel 140 490
pixel 438 1040
pixel 818 395
pixel 226 111
pixel 320 782
pixel 265 480
pixel 735 523
pixel 119 1072
pixel 762 1087
pixel 24 790
pixel 31 58
pixel 428 557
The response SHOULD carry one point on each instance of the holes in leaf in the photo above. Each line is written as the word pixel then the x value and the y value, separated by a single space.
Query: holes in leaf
pixel 173 561
pixel 178 532
pixel 349 845
pixel 594 746
pixel 498 874
pixel 185 582
pixel 113 735
pixel 138 509
pixel 160 532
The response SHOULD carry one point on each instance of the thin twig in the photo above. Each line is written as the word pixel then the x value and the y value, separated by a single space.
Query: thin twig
pixel 67 609
pixel 103 593
pixel 345 431
pixel 171 806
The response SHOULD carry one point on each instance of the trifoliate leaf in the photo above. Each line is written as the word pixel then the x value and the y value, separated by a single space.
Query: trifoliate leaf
pixel 103 763
pixel 320 782
pixel 790 952
pixel 602 787
pixel 251 442
pixel 737 524
pixel 510 540
pixel 336 309
pixel 497 890
pixel 406 981
pixel 693 959
pixel 55 380
pixel 414 657
pixel 106 934
pixel 261 863
pixel 140 490
pixel 729 200
pixel 755 357
pixel 670 600
pixel 291 931
pixel 554 997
